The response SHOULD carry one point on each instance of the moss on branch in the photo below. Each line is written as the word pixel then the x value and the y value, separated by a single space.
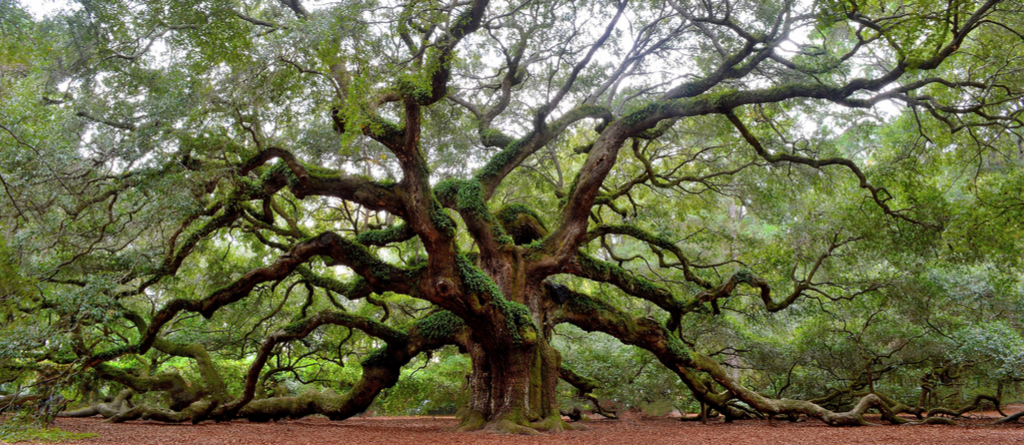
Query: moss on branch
pixel 603 271
pixel 383 237
pixel 439 325
pixel 517 316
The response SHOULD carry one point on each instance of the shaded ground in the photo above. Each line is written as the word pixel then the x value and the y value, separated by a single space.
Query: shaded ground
pixel 427 430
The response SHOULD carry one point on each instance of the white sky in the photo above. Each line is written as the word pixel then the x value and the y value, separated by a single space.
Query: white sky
pixel 42 8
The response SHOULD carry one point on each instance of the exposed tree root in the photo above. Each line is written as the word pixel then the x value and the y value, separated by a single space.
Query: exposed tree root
pixel 472 421
pixel 505 426
pixel 554 424
pixel 476 421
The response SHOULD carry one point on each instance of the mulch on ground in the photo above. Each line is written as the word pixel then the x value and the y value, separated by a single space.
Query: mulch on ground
pixel 437 430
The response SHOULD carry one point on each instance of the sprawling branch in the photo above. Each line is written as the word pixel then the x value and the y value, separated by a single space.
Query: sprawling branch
pixel 654 241
pixel 301 329
pixel 381 370
pixel 597 270
pixel 514 152
pixel 377 274
pixel 880 195
pixel 304 180
pixel 591 314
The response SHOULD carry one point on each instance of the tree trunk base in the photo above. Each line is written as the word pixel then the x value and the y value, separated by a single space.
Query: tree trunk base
pixel 476 421
pixel 471 421
pixel 506 426
pixel 555 424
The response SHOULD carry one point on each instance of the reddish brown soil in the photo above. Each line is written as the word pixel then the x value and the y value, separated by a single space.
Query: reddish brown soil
pixel 428 431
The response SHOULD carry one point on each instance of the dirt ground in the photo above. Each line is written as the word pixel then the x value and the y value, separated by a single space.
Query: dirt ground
pixel 631 430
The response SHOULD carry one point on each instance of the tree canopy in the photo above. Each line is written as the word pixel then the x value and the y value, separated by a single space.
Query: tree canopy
pixel 784 208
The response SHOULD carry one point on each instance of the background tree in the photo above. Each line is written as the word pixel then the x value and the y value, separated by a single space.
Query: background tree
pixel 256 189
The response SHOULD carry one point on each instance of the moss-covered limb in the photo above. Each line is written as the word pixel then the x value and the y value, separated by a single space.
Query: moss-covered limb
pixel 438 63
pixel 515 152
pixel 658 130
pixel 195 412
pixel 212 382
pixel 301 329
pixel 727 288
pixel 1009 419
pixel 383 237
pixel 177 252
pixel 694 99
pixel 466 197
pixel 354 290
pixel 14 400
pixel 494 138
pixel 518 323
pixel 270 153
pixel 584 385
pixel 378 274
pixel 793 407
pixel 594 269
pixel 836 395
pixel 654 240
pixel 439 325
pixel 179 391
pixel 522 223
pixel 593 315
pixel 766 292
pixel 896 407
pixel 258 223
pixel 308 180
pixel 120 403
pixel 381 370
pixel 696 89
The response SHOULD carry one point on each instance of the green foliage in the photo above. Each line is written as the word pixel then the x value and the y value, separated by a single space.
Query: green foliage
pixel 429 384
pixel 33 424
pixel 629 377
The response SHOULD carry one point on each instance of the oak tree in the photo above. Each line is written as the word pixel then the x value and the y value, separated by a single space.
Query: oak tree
pixel 476 173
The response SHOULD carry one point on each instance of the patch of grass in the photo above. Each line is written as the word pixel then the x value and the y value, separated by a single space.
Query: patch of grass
pixel 45 435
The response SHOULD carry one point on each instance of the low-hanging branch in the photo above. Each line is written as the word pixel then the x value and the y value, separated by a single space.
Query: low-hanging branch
pixel 591 314
pixel 301 329
pixel 379 275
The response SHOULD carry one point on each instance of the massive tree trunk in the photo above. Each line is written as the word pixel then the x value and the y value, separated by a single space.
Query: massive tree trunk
pixel 514 376
pixel 514 388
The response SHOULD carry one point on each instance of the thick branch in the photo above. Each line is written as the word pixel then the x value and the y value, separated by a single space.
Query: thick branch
pixel 378 274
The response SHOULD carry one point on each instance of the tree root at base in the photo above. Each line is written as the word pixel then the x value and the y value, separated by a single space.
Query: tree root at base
pixel 555 424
